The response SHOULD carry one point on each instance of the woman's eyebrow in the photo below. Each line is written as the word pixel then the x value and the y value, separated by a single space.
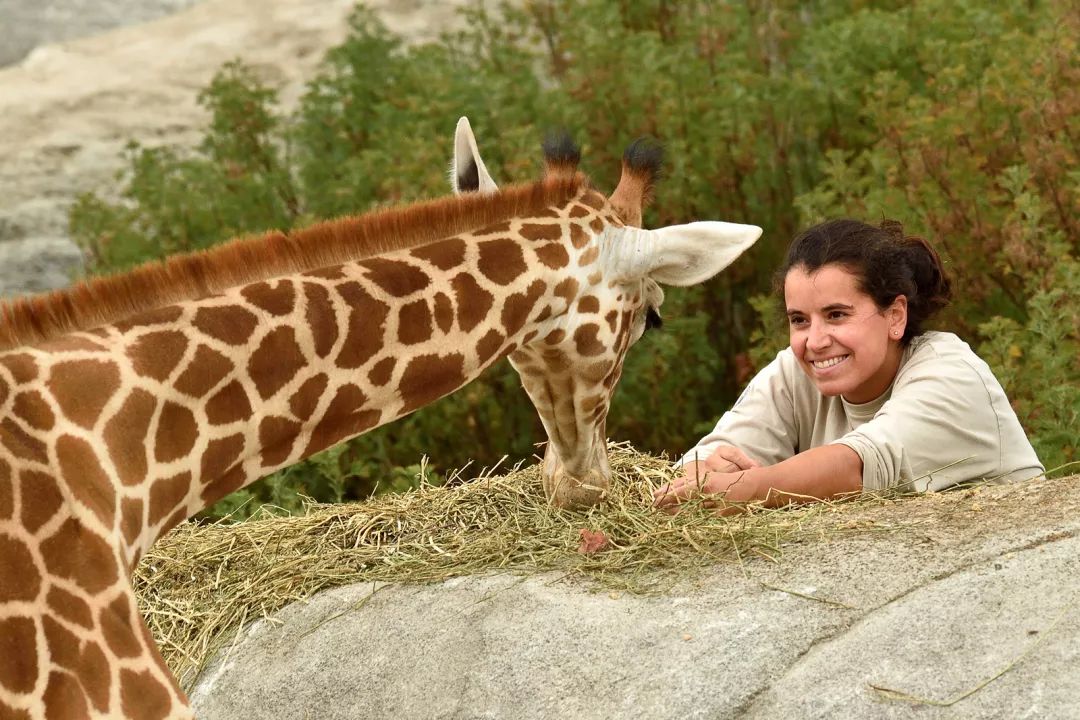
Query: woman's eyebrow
pixel 827 308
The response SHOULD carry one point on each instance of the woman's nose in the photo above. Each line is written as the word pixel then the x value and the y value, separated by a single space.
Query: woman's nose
pixel 818 336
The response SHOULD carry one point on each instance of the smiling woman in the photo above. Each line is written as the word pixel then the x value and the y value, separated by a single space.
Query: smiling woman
pixel 863 398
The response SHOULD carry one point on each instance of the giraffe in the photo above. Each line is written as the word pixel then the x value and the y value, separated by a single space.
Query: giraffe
pixel 129 403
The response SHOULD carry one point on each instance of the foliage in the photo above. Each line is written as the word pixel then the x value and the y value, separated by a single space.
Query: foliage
pixel 959 118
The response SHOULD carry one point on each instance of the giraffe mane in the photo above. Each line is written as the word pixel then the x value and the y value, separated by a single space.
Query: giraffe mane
pixel 108 299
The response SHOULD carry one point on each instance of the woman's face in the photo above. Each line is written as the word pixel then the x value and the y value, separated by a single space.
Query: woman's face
pixel 843 342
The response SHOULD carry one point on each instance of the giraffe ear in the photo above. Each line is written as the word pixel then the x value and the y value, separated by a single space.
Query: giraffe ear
pixel 681 254
pixel 467 172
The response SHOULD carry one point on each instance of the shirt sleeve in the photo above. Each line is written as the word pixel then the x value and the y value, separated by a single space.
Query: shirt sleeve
pixel 761 423
pixel 940 427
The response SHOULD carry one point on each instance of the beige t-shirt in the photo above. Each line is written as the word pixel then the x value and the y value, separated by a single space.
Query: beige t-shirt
pixel 944 420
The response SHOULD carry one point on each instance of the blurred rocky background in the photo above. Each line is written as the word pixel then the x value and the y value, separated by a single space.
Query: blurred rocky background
pixel 79 79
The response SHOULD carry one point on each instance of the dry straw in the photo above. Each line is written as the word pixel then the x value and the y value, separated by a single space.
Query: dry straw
pixel 202 583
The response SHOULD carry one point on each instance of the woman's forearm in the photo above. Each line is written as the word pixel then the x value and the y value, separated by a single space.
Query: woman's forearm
pixel 822 473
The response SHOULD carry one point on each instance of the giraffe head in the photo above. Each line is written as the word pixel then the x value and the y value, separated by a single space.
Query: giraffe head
pixel 610 272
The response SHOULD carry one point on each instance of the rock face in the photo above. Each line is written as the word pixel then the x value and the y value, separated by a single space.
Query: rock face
pixel 933 598
pixel 67 110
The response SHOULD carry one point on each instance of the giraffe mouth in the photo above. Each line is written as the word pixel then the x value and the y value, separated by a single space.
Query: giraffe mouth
pixel 576 490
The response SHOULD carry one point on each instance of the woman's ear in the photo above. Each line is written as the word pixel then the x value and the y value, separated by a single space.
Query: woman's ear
pixel 896 314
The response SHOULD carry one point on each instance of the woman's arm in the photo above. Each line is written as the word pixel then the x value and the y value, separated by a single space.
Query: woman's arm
pixel 817 474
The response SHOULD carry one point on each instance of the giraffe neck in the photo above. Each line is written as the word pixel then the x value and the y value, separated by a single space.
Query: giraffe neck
pixel 161 416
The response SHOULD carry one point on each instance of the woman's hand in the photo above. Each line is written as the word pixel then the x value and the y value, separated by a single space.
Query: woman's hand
pixel 715 489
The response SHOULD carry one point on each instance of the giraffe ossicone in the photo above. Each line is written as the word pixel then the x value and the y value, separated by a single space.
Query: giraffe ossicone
pixel 128 404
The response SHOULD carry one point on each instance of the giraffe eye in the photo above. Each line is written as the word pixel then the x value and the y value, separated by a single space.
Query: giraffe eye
pixel 653 321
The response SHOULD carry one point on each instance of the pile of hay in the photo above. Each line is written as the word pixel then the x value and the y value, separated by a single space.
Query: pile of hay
pixel 201 584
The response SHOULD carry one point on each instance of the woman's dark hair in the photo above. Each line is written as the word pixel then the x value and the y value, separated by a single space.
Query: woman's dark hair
pixel 885 261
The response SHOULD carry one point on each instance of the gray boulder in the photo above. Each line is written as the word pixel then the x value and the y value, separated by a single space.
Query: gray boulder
pixel 960 605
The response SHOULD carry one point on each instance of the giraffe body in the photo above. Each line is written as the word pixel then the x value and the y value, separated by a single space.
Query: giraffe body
pixel 112 434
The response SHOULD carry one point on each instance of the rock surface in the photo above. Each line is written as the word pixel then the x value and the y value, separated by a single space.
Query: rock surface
pixel 68 110
pixel 930 596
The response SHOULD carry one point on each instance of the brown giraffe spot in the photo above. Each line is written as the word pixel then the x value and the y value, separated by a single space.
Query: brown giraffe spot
pixel 344 418
pixel 22 367
pixel 176 433
pixel 116 628
pixel 228 404
pixel 532 231
pixel 31 408
pixel 231 324
pixel 543 315
pixel 611 319
pixel 589 256
pixel 553 255
pixel 155 355
pixel 220 456
pixel 19 577
pixel 77 554
pixel 473 301
pixel 219 488
pixel 63 645
pixel 578 237
pixel 592 402
pixel 596 372
pixel 143 696
pixel 276 438
pixel 275 362
pixel 444 312
pixel 5 390
pixel 588 305
pixel 125 436
pixel 517 307
pixel 7 490
pixel 321 318
pixel 64 698
pixel 414 322
pixel 366 327
pixel 597 225
pixel 131 519
pixel 501 261
pixel 500 227
pixel 444 254
pixel 41 498
pixel 567 289
pixel 10 713
pixel 529 337
pixel 333 272
pixel 585 339
pixel 593 199
pixel 18 654
pixel 489 345
pixel 306 399
pixel 555 337
pixel 429 377
pixel 87 482
pixel 594 278
pixel 82 387
pixel 175 519
pixel 161 316
pixel 166 495
pixel 577 211
pixel 396 278
pixel 70 607
pixel 20 444
pixel 382 371
pixel 204 372
pixel 277 300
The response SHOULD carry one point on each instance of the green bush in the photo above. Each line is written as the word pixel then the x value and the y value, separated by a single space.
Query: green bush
pixel 959 118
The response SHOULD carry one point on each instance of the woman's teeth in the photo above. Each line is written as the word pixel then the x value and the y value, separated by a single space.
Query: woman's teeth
pixel 822 364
